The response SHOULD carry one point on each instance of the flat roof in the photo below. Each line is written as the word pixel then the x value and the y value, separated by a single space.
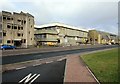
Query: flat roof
pixel 60 24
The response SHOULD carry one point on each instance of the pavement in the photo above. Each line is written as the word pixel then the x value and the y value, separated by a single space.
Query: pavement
pixel 77 71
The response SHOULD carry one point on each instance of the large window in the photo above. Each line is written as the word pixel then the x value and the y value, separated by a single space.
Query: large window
pixel 41 36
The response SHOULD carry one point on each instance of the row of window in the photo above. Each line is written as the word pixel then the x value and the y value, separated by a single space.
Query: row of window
pixel 22 21
pixel 15 27
pixel 11 41
pixel 7 18
pixel 18 34
pixel 42 36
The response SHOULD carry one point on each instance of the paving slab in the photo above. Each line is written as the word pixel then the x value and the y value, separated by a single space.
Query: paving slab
pixel 76 71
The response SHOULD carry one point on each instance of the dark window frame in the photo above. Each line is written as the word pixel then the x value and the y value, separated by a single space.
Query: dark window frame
pixel 4 17
pixel 8 41
pixel 4 33
pixel 8 26
pixel 8 18
pixel 15 27
pixel 18 34
pixel 21 28
pixel 18 27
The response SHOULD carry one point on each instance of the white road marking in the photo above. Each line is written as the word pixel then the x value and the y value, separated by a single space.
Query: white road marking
pixel 49 62
pixel 59 59
pixel 29 77
pixel 37 64
pixel 20 68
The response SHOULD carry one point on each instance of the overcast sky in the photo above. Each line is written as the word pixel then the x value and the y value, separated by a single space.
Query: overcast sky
pixel 89 14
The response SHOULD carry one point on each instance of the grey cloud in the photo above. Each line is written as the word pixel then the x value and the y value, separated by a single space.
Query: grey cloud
pixel 98 13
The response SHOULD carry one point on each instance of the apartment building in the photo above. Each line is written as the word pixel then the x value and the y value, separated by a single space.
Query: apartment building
pixel 100 37
pixel 60 34
pixel 17 29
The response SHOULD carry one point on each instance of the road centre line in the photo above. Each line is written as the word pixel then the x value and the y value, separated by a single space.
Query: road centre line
pixel 49 62
pixel 37 64
pixel 21 68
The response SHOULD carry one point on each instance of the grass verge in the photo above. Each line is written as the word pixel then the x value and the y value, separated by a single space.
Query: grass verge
pixel 103 64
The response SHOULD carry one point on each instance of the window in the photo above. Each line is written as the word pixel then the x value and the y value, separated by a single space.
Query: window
pixel 11 18
pixel 24 40
pixel 12 27
pixel 4 17
pixel 29 32
pixel 15 27
pixel 8 18
pixel 21 28
pixel 41 36
pixel 18 20
pixel 18 34
pixel 8 26
pixel 24 21
pixel 31 38
pixel 4 34
pixel 22 34
pixel 18 27
pixel 8 41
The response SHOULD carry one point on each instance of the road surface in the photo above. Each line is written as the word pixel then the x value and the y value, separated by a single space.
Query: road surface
pixel 22 58
pixel 51 72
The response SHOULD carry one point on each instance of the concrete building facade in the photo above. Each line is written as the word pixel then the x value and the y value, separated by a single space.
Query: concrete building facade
pixel 17 29
pixel 60 34
pixel 100 37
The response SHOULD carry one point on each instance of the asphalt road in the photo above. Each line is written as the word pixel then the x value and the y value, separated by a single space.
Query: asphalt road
pixel 21 58
pixel 51 72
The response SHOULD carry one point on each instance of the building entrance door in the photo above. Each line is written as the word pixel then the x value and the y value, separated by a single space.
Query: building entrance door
pixel 17 43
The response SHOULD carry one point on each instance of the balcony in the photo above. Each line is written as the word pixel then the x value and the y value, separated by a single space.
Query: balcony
pixel 47 39
pixel 45 31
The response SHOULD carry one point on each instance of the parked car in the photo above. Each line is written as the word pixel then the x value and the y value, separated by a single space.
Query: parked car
pixel 3 47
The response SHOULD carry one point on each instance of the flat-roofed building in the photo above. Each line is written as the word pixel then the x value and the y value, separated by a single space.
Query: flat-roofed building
pixel 100 37
pixel 17 29
pixel 60 34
